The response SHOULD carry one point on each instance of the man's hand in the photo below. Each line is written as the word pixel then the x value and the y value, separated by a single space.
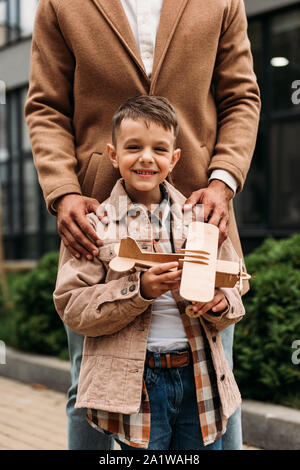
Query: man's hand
pixel 217 304
pixel 215 199
pixel 73 226
pixel 159 279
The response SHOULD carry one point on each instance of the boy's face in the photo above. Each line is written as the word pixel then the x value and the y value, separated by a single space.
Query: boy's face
pixel 144 156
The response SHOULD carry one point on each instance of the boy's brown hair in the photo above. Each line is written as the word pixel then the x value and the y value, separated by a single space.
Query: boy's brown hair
pixel 149 108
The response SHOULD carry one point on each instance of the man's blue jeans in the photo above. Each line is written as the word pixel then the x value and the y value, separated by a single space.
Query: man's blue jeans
pixel 174 411
pixel 81 436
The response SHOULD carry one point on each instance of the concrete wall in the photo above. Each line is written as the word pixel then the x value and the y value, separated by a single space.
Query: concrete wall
pixel 255 7
pixel 15 61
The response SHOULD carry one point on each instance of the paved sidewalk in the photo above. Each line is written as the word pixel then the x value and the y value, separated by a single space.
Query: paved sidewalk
pixel 32 417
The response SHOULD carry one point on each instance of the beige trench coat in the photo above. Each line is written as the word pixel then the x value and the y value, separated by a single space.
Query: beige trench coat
pixel 85 63
pixel 108 308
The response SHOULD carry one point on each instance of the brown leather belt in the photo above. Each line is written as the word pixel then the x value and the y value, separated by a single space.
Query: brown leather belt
pixel 169 360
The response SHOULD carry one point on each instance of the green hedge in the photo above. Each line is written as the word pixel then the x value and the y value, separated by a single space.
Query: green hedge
pixel 34 325
pixel 263 339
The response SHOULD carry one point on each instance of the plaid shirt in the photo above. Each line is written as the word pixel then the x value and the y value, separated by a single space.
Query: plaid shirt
pixel 134 429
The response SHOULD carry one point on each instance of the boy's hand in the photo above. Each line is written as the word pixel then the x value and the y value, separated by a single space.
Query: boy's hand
pixel 159 279
pixel 72 225
pixel 217 304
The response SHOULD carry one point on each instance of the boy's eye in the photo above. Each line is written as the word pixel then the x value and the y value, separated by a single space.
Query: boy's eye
pixel 161 149
pixel 132 147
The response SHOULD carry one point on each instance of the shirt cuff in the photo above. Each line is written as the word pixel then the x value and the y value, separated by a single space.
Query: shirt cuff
pixel 226 177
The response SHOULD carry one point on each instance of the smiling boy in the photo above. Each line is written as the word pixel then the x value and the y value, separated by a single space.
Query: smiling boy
pixel 145 155
pixel 150 376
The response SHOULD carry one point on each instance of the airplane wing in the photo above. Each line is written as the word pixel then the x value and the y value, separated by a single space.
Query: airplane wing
pixel 198 276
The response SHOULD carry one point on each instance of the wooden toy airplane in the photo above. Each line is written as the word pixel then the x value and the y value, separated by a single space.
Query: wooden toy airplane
pixel 201 270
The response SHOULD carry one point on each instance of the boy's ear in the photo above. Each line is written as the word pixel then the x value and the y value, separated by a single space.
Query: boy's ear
pixel 175 158
pixel 112 155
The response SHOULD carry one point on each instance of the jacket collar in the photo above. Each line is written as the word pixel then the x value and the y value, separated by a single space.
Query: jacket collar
pixel 119 205
pixel 115 15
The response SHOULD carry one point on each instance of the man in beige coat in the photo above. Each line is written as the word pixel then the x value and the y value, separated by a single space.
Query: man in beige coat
pixel 87 60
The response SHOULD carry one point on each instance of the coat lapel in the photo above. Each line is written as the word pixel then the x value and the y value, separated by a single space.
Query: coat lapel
pixel 169 18
pixel 115 15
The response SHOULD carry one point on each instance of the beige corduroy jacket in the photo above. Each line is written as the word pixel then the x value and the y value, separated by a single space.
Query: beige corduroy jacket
pixel 108 309
pixel 85 63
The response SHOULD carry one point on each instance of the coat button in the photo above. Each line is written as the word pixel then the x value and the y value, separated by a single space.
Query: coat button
pixel 123 291
pixel 214 338
pixel 132 288
pixel 222 377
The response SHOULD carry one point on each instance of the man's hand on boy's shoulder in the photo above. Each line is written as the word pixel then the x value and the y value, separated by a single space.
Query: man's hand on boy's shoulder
pixel 73 226
pixel 217 305
pixel 215 199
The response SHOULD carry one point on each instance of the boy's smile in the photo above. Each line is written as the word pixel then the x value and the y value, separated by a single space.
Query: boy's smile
pixel 145 155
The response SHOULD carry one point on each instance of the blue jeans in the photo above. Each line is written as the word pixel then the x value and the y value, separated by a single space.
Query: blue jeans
pixel 174 412
pixel 232 439
pixel 81 436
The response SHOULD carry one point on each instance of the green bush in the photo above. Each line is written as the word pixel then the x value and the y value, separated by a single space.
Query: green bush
pixel 38 327
pixel 263 339
pixel 8 311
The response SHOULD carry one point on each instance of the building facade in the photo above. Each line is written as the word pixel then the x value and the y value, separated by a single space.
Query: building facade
pixel 270 202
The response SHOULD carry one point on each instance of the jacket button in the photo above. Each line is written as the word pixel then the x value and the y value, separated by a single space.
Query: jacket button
pixel 222 377
pixel 123 291
pixel 214 338
pixel 132 288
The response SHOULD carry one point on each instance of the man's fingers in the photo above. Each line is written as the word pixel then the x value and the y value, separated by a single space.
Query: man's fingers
pixel 69 247
pixel 85 228
pixel 194 198
pixel 223 230
pixel 102 214
pixel 73 246
pixel 78 240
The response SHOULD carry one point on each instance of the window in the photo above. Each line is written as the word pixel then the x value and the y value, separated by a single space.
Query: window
pixel 16 19
pixel 285 57
pixel 3 134
pixel 3 16
pixel 249 205
pixel 270 201
pixel 29 230
pixel 286 174
pixel 27 12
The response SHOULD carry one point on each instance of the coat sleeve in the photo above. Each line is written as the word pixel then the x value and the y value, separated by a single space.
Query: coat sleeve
pixel 49 105
pixel 237 96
